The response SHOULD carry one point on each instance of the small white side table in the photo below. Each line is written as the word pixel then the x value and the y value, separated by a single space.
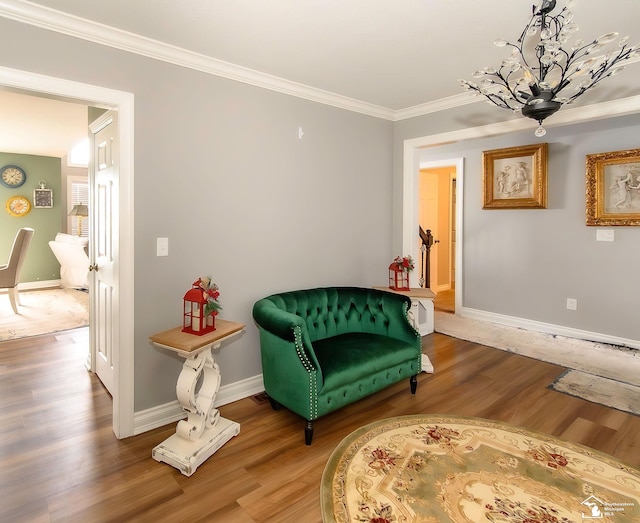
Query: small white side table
pixel 421 314
pixel 204 431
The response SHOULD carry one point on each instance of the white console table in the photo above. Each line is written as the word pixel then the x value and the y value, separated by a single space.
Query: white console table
pixel 204 431
pixel 421 314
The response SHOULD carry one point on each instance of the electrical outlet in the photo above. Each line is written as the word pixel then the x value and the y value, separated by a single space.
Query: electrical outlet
pixel 572 304
pixel 605 235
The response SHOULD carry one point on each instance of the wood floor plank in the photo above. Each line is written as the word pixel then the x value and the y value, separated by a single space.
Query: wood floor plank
pixel 60 462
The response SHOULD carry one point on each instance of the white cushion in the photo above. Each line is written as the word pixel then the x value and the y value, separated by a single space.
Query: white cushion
pixel 74 262
pixel 69 238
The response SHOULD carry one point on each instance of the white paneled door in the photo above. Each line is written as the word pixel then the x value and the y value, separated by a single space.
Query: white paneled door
pixel 104 181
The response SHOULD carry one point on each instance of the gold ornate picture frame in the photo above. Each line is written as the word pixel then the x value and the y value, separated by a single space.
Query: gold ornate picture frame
pixel 515 177
pixel 613 188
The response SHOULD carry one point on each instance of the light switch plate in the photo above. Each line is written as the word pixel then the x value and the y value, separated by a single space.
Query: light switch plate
pixel 162 247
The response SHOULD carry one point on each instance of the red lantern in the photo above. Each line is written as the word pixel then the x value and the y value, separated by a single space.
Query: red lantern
pixel 195 320
pixel 398 277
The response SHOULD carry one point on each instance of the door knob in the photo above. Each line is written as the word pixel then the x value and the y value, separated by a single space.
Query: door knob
pixel 93 267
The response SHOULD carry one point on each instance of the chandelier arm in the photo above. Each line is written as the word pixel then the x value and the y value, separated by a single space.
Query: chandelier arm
pixel 575 56
pixel 523 35
pixel 624 54
pixel 579 93
pixel 494 99
pixel 523 60
pixel 581 52
pixel 564 78
pixel 516 95
pixel 504 81
pixel 540 50
pixel 603 71
pixel 499 102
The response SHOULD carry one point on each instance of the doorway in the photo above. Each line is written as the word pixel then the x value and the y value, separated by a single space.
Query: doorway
pixel 439 204
pixel 122 102
pixel 436 210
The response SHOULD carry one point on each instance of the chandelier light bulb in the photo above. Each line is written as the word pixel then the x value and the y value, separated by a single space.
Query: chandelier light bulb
pixel 536 76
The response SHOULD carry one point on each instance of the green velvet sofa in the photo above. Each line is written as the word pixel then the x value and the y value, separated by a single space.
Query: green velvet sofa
pixel 325 348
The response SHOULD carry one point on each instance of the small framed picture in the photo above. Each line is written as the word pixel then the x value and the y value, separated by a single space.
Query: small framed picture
pixel 515 177
pixel 613 188
pixel 43 198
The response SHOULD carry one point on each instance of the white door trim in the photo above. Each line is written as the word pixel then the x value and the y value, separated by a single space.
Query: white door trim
pixel 123 406
pixel 413 149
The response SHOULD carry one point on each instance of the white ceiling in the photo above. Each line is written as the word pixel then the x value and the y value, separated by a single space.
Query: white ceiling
pixel 388 53
pixel 33 125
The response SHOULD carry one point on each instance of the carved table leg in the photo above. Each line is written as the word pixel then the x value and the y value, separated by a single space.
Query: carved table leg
pixel 426 328
pixel 204 431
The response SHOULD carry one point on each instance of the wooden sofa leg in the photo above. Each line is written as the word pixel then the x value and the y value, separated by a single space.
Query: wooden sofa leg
pixel 308 432
pixel 414 383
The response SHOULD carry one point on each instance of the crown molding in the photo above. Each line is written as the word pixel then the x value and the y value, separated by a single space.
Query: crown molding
pixel 70 25
pixel 53 20
pixel 443 104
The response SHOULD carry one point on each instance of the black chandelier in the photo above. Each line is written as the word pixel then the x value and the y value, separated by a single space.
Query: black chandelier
pixel 541 76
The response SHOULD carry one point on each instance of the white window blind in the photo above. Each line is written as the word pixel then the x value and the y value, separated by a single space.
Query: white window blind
pixel 79 194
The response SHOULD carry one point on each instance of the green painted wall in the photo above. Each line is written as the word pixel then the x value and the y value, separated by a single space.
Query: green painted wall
pixel 41 264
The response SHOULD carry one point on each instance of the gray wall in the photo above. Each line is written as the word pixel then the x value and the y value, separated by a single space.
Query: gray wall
pixel 526 263
pixel 220 171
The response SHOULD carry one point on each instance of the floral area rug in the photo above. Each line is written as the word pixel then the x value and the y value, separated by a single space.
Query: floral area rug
pixel 436 469
pixel 42 312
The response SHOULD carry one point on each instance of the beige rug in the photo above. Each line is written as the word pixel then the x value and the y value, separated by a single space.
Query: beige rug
pixel 438 469
pixel 619 367
pixel 42 312
pixel 611 393
pixel 620 364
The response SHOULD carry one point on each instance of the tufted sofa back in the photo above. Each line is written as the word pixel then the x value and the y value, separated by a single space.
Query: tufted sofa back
pixel 331 311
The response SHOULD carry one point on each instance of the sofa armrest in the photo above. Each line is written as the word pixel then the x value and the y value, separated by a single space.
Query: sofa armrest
pixel 396 308
pixel 275 320
pixel 288 358
pixel 285 325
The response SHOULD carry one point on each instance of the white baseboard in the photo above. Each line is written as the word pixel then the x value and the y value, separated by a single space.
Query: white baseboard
pixel 33 285
pixel 171 412
pixel 547 328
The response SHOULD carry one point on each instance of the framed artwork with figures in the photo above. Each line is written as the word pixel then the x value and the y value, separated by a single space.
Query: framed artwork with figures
pixel 613 188
pixel 515 177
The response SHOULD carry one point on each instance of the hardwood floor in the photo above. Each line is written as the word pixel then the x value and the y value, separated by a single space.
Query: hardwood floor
pixel 59 459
